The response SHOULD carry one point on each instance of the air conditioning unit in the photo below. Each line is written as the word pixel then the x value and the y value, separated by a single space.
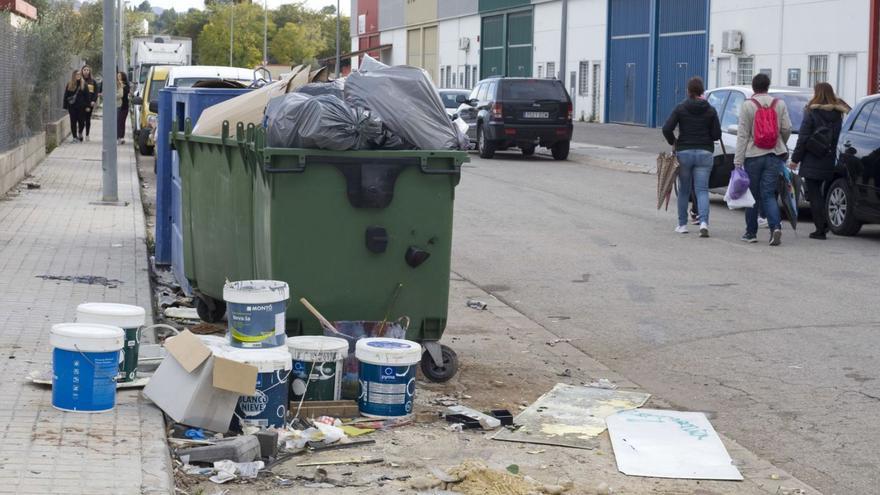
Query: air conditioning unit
pixel 732 42
pixel 464 44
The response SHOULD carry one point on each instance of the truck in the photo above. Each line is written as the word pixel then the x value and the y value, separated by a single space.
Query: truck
pixel 156 49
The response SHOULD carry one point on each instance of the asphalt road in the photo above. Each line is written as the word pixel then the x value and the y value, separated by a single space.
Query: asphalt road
pixel 780 344
pixel 630 137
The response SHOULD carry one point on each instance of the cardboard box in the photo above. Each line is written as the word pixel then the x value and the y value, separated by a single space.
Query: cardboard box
pixel 195 387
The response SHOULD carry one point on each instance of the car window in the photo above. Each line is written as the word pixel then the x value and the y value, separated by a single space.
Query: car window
pixel 716 99
pixel 490 95
pixel 482 95
pixel 873 128
pixel 533 89
pixel 795 103
pixel 475 93
pixel 449 98
pixel 155 87
pixel 861 121
pixel 731 110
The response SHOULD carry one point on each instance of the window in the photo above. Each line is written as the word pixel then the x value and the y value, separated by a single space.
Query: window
pixel 818 69
pixel 442 73
pixel 449 82
pixel 531 90
pixel 597 69
pixel 745 70
pixel 731 111
pixel 794 77
pixel 860 123
pixel 873 128
pixel 482 94
pixel 473 75
pixel 551 70
pixel 540 71
pixel 583 72
pixel 490 95
pixel 716 99
pixel 795 103
pixel 475 93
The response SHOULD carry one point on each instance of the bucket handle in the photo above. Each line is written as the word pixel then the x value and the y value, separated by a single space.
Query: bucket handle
pixel 112 377
pixel 153 328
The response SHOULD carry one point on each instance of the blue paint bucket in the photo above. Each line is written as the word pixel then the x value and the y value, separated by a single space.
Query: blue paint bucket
pixel 256 312
pixel 85 364
pixel 387 376
pixel 268 408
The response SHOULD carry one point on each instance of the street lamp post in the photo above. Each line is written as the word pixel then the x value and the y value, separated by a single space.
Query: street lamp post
pixel 265 32
pixel 231 27
pixel 110 188
pixel 337 39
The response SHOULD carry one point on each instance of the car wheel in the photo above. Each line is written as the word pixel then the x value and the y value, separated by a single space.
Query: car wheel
pixel 560 150
pixel 528 151
pixel 840 209
pixel 485 147
pixel 143 148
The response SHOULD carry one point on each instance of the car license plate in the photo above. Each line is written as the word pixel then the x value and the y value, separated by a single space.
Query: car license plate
pixel 536 115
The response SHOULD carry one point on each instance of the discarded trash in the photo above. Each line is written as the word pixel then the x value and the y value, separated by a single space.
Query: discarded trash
pixel 603 383
pixel 502 415
pixel 536 451
pixel 228 470
pixel 553 342
pixel 31 185
pixel 84 279
pixel 669 444
pixel 197 470
pixel 256 313
pixel 352 332
pixel 570 416
pixel 486 421
pixel 325 122
pixel 565 373
pixel 182 313
pixel 365 460
pixel 455 427
pixel 85 357
pixel 513 469
pixel 195 434
pixel 334 88
pixel 333 408
pixel 268 406
pixel 127 317
pixel 245 448
pixel 387 376
pixel 317 367
pixel 476 304
pixel 478 479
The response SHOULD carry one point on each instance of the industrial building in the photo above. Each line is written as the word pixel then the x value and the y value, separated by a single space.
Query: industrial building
pixel 627 61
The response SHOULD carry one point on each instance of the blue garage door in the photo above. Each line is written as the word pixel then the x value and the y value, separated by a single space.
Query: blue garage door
pixel 681 51
pixel 628 61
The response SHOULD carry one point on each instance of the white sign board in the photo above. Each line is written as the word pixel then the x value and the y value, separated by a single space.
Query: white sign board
pixel 362 23
pixel 669 444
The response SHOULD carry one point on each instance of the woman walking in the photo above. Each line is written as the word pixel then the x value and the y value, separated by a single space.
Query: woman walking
pixel 75 101
pixel 816 149
pixel 93 90
pixel 122 93
pixel 698 129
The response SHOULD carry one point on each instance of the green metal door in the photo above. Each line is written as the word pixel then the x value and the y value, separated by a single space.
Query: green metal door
pixel 492 55
pixel 519 44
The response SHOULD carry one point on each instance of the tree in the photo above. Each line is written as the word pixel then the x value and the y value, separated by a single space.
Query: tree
pixel 296 43
pixel 328 10
pixel 166 21
pixel 145 7
pixel 190 25
pixel 248 36
pixel 88 34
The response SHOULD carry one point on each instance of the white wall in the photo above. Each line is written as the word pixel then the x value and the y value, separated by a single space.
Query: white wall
pixel 807 27
pixel 587 25
pixel 547 22
pixel 450 31
pixel 397 54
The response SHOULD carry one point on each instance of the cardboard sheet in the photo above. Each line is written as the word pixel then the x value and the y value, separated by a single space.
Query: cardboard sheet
pixel 570 416
pixel 669 444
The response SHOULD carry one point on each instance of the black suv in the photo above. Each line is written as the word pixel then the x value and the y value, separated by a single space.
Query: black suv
pixel 517 112
pixel 854 196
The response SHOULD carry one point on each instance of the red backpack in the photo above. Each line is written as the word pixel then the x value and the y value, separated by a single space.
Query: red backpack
pixel 765 129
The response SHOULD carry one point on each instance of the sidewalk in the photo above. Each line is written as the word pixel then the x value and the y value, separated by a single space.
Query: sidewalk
pixel 56 231
pixel 618 147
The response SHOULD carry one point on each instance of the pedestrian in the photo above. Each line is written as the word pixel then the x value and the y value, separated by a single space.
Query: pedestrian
pixel 122 103
pixel 93 89
pixel 816 148
pixel 75 102
pixel 698 129
pixel 763 129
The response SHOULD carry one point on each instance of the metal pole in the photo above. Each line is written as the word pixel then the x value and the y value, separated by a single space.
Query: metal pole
pixel 563 44
pixel 231 26
pixel 108 154
pixel 337 39
pixel 265 32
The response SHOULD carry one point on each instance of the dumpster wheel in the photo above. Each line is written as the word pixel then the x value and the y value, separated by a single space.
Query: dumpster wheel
pixel 440 373
pixel 210 310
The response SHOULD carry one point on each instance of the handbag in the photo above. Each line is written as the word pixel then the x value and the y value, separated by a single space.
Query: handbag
pixel 721 169
pixel 71 100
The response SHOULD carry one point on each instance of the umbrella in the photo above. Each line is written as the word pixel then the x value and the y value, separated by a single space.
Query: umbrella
pixel 788 195
pixel 667 172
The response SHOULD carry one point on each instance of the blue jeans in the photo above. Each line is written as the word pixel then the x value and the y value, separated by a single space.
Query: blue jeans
pixel 696 166
pixel 764 177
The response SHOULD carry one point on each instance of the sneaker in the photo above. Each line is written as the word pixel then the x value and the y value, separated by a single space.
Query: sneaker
pixel 704 229
pixel 87 139
pixel 750 238
pixel 776 237
pixel 762 222
pixel 818 235
pixel 122 141
pixel 74 140
pixel 681 229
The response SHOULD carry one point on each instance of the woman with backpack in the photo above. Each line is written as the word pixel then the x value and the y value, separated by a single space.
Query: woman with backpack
pixel 698 129
pixel 816 148
pixel 76 98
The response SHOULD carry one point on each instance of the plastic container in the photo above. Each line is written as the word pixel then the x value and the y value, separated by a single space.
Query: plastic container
pixel 387 376
pixel 256 313
pixel 85 364
pixel 318 367
pixel 130 319
pixel 268 408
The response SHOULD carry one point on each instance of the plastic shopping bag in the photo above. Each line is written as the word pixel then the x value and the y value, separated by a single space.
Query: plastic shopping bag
pixel 739 183
pixel 746 200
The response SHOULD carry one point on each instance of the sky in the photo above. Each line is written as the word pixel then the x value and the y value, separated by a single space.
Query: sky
pixel 184 5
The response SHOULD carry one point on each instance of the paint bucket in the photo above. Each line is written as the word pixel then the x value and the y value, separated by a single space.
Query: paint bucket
pixel 352 331
pixel 268 408
pixel 387 376
pixel 85 364
pixel 130 319
pixel 256 313
pixel 317 367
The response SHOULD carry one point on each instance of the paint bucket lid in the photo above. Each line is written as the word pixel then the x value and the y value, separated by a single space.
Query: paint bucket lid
pixel 214 341
pixel 266 360
pixel 86 337
pixel 317 348
pixel 119 315
pixel 388 351
pixel 256 291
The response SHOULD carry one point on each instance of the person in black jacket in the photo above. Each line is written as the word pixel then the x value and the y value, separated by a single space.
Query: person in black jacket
pixel 698 129
pixel 76 99
pixel 122 93
pixel 93 89
pixel 815 152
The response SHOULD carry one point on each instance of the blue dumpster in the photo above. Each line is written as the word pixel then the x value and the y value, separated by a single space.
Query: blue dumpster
pixel 177 105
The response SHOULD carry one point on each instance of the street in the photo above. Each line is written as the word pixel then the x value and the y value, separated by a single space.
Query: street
pixel 778 344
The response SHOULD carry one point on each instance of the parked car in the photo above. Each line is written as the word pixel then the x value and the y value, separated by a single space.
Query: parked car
pixel 854 196
pixel 146 108
pixel 727 102
pixel 516 112
pixel 187 75
pixel 450 98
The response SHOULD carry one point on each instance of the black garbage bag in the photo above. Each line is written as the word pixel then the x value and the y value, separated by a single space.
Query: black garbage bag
pixel 298 120
pixel 334 88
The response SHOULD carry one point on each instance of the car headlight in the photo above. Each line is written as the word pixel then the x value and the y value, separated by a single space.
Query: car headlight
pixel 152 121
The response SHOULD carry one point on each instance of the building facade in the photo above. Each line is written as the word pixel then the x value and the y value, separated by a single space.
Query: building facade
pixel 628 61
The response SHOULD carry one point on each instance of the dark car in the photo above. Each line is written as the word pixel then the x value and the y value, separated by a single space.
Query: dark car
pixel 516 112
pixel 854 196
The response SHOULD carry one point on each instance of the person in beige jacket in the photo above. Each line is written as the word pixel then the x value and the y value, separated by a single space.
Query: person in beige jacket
pixel 762 164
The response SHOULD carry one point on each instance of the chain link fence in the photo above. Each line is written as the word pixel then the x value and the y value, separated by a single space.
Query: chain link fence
pixel 25 110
